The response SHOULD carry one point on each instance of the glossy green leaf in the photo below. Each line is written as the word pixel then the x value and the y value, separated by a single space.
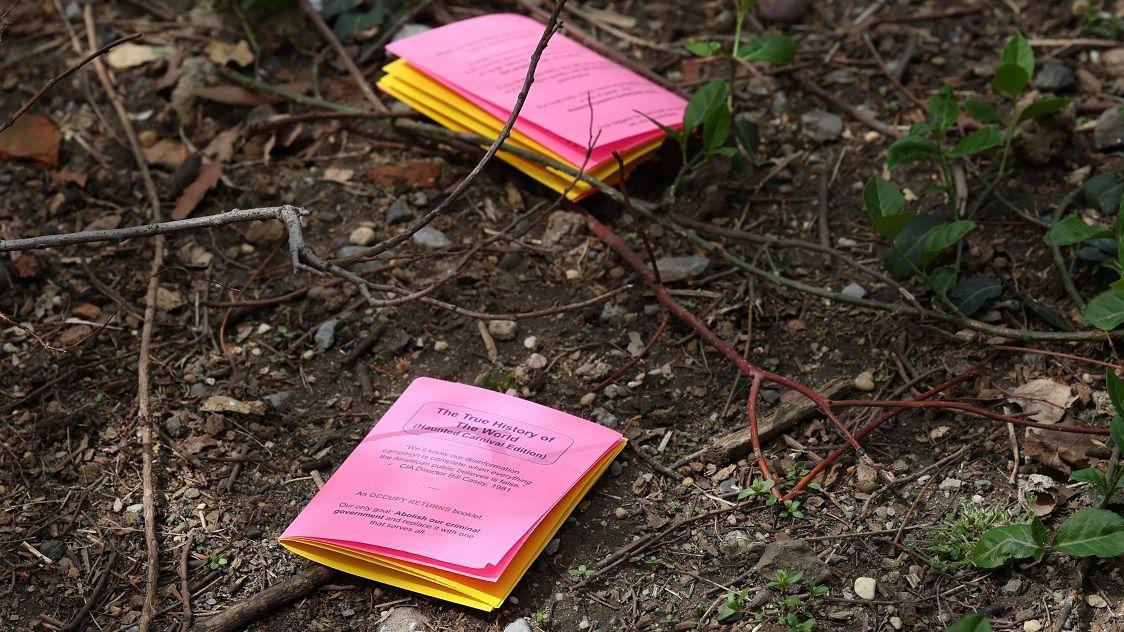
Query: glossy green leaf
pixel 1106 310
pixel 1104 192
pixel 911 149
pixel 1018 52
pixel 716 127
pixel 748 135
pixel 1091 532
pixel 908 249
pixel 702 103
pixel 982 112
pixel 971 293
pixel 1045 314
pixel 773 48
pixel 1010 80
pixel 1042 107
pixel 980 140
pixel 945 236
pixel 882 198
pixel 943 110
pixel 1090 475
pixel 702 49
pixel 943 279
pixel 970 623
pixel 890 226
pixel 1072 230
pixel 1003 544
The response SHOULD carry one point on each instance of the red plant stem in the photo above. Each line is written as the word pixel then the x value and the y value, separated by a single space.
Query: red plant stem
pixel 966 408
pixel 751 413
pixel 879 420
pixel 606 235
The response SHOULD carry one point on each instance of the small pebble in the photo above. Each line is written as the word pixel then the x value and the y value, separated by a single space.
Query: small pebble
pixel 440 346
pixel 1034 625
pixel 864 382
pixel 620 513
pixel 362 236
pixel 1096 601
pixel 864 587
pixel 530 342
pixel 896 622
pixel 502 329
pixel 688 482
pixel 588 399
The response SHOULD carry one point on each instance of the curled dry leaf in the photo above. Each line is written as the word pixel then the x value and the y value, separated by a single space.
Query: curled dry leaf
pixel 131 54
pixel 338 175
pixel 1043 400
pixel 222 53
pixel 1063 451
pixel 193 193
pixel 32 137
pixel 166 153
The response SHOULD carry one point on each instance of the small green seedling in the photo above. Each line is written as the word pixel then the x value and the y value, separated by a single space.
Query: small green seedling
pixel 970 623
pixel 582 571
pixel 788 608
pixel 217 561
pixel 948 544
pixel 734 606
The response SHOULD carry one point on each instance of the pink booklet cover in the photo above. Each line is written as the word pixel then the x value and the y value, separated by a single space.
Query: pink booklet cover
pixel 454 477
pixel 485 60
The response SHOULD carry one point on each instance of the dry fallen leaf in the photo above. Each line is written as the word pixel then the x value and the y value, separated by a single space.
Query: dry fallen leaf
pixel 167 153
pixel 195 255
pixel 337 174
pixel 32 137
pixel 197 443
pixel 193 193
pixel 1062 451
pixel 1043 400
pixel 225 404
pixel 66 175
pixel 223 53
pixel 105 222
pixel 168 300
pixel 75 334
pixel 26 265
pixel 221 147
pixel 130 54
pixel 238 96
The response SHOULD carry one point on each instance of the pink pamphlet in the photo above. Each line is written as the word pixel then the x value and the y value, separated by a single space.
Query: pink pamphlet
pixel 456 489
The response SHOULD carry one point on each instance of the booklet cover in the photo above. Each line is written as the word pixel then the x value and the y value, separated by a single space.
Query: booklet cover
pixel 454 492
pixel 467 76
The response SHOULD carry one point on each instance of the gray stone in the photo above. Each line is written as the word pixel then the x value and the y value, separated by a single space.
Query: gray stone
pixel 1054 78
pixel 560 225
pixel 174 427
pixel 1015 586
pixel 430 237
pixel 737 543
pixel 278 399
pixel 198 389
pixel 408 29
pixel 54 549
pixel 326 334
pixel 821 126
pixel 679 268
pixel 345 252
pixel 855 290
pixel 785 11
pixel 552 547
pixel 604 417
pixel 398 212
pixel 518 625
pixel 1109 132
pixel 405 620
pixel 613 313
pixel 502 329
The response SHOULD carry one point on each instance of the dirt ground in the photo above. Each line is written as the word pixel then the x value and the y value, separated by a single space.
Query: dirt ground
pixel 229 483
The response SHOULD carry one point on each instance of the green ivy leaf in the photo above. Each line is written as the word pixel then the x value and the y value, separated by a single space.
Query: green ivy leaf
pixel 982 112
pixel 1003 544
pixel 1042 107
pixel 908 246
pixel 1115 392
pixel 1106 310
pixel 1010 79
pixel 980 140
pixel 1091 532
pixel 773 48
pixel 702 49
pixel 943 110
pixel 1092 476
pixel 1073 230
pixel 702 103
pixel 882 198
pixel 942 237
pixel 970 623
pixel 1018 52
pixel 943 279
pixel 911 149
pixel 1104 192
pixel 971 293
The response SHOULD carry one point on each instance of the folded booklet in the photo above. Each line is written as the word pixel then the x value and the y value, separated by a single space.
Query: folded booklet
pixel 467 77
pixel 454 492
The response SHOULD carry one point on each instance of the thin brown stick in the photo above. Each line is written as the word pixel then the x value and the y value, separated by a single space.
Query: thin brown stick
pixel 144 409
pixel 66 73
pixel 277 122
pixel 348 62
pixel 809 85
pixel 99 588
pixel 240 615
pixel 185 589
pixel 894 81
